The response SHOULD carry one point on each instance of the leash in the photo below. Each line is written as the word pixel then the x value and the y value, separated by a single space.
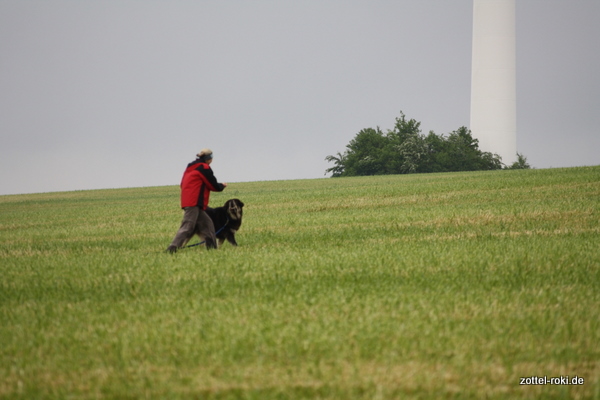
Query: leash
pixel 216 233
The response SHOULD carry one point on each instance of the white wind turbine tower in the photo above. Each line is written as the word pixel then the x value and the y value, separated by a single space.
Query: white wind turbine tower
pixel 493 78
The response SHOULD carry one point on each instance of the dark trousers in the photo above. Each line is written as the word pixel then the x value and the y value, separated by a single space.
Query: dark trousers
pixel 195 221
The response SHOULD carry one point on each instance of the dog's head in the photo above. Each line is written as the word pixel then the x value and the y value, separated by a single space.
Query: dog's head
pixel 234 209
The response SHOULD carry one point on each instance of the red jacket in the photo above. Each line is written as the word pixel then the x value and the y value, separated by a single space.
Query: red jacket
pixel 197 183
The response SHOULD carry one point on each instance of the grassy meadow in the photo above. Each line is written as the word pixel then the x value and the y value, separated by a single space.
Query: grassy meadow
pixel 422 286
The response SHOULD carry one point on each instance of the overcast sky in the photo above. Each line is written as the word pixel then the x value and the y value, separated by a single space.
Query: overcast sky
pixel 107 94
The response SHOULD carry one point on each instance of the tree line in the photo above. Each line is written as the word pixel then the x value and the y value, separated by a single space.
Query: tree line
pixel 405 150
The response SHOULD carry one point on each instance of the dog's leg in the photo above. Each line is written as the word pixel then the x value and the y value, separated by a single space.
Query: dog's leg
pixel 231 238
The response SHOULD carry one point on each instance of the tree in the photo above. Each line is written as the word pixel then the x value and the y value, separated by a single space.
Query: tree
pixel 365 154
pixel 521 163
pixel 414 153
pixel 437 152
pixel 404 146
pixel 339 167
pixel 404 129
pixel 464 154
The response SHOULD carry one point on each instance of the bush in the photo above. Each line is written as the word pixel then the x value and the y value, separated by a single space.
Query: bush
pixel 405 150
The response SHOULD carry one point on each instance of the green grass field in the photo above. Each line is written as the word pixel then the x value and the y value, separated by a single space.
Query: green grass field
pixel 423 286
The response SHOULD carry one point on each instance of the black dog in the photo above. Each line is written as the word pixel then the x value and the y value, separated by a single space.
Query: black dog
pixel 227 220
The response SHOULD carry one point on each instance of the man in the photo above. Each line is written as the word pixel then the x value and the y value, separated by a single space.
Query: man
pixel 197 183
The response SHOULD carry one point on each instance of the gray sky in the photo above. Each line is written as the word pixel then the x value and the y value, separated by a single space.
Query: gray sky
pixel 107 94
